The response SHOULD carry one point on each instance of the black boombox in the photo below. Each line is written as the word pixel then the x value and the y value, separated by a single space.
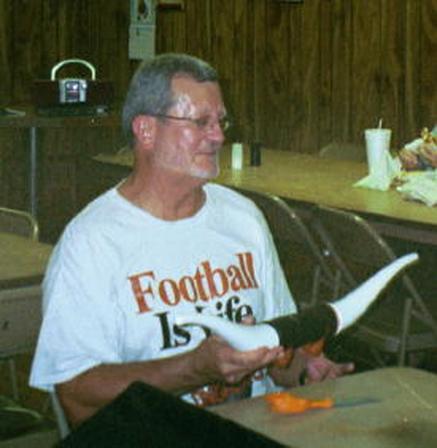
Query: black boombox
pixel 72 96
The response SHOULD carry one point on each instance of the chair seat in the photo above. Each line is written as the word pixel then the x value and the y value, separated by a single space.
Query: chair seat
pixel 390 343
pixel 382 328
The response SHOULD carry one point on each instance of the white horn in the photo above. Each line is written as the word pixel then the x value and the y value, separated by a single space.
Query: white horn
pixel 241 337
pixel 307 326
pixel 352 306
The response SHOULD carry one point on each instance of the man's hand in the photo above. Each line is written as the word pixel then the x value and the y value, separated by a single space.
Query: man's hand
pixel 308 368
pixel 319 368
pixel 215 360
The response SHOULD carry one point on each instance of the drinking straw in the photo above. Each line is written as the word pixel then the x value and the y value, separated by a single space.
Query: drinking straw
pixel 380 123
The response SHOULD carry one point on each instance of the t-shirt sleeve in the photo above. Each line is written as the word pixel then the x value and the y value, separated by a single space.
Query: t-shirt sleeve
pixel 80 327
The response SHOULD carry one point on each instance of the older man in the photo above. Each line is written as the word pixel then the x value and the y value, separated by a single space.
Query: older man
pixel 162 242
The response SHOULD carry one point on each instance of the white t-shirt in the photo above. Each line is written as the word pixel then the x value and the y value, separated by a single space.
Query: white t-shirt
pixel 118 277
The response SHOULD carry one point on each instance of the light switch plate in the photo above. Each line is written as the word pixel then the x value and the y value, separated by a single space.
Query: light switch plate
pixel 142 29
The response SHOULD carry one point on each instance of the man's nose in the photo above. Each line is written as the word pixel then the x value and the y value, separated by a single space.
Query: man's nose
pixel 215 132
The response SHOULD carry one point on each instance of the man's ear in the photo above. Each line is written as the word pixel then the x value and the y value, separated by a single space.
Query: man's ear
pixel 144 128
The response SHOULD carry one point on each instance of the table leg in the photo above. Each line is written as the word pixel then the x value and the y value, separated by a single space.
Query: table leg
pixel 33 172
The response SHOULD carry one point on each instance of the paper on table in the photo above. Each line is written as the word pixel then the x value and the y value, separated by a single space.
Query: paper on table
pixel 382 179
pixel 421 187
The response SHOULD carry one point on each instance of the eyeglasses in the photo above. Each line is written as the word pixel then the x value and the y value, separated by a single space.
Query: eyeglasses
pixel 202 123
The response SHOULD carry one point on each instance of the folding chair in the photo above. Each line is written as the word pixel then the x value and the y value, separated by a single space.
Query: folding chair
pixel 20 321
pixel 293 241
pixel 24 224
pixel 399 323
pixel 18 222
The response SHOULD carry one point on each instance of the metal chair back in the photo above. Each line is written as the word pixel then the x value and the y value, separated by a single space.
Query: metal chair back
pixel 18 222
pixel 297 249
pixel 400 322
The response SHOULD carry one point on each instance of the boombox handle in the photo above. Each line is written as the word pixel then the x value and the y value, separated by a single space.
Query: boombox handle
pixel 73 61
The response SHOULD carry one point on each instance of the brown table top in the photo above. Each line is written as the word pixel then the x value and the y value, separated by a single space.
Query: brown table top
pixel 32 119
pixel 324 181
pixel 22 261
pixel 400 412
pixel 309 179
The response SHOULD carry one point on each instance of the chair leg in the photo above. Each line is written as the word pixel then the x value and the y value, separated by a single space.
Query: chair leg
pixel 315 287
pixel 47 407
pixel 13 378
pixel 61 420
pixel 405 331
pixel 337 284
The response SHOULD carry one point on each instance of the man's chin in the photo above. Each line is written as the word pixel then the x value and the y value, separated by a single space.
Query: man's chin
pixel 206 166
pixel 206 174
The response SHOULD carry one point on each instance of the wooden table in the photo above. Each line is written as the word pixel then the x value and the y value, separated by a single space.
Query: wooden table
pixel 22 261
pixel 401 412
pixel 305 180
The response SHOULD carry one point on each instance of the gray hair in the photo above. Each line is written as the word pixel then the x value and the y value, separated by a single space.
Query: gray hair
pixel 150 88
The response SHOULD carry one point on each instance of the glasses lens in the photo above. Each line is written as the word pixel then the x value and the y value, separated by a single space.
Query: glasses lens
pixel 203 123
pixel 207 123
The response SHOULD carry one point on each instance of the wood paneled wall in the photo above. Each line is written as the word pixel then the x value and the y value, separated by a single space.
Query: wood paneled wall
pixel 295 76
